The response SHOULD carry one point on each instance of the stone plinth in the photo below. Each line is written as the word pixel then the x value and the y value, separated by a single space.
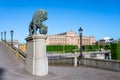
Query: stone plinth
pixel 36 61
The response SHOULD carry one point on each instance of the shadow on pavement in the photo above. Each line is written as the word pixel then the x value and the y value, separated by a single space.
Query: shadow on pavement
pixel 1 73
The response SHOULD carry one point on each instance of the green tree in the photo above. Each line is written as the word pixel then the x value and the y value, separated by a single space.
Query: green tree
pixel 115 51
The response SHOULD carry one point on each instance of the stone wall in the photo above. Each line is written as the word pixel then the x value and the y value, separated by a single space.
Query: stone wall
pixel 62 61
pixel 97 63
pixel 104 64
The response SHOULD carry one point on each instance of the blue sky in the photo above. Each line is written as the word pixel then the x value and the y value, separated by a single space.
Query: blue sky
pixel 99 18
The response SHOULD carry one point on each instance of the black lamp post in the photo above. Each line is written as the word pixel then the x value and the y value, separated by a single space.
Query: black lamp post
pixel 11 36
pixel 1 36
pixel 80 34
pixel 5 36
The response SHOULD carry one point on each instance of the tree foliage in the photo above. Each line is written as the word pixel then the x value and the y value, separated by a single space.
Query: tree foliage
pixel 115 51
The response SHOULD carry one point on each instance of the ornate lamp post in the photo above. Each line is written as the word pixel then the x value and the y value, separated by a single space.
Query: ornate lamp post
pixel 11 36
pixel 1 36
pixel 80 34
pixel 5 36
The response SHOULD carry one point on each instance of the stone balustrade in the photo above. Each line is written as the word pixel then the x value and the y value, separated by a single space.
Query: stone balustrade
pixel 87 62
pixel 103 64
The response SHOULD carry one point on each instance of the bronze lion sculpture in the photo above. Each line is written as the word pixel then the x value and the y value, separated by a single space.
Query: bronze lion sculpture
pixel 37 23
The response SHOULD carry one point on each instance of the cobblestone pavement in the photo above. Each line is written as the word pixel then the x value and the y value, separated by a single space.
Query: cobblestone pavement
pixel 12 69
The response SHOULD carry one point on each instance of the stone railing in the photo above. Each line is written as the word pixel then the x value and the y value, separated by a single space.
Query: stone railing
pixel 63 61
pixel 17 52
pixel 104 64
pixel 87 62
pixel 91 54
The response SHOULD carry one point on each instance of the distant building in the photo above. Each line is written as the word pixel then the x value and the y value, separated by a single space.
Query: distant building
pixel 15 42
pixel 69 38
pixel 22 47
pixel 105 40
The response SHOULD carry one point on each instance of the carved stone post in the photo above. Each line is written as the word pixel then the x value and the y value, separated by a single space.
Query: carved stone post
pixel 36 61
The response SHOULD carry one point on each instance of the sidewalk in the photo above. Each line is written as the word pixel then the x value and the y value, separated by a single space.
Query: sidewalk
pixel 63 73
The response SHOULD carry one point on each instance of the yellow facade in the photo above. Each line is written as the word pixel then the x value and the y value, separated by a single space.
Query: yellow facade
pixel 23 47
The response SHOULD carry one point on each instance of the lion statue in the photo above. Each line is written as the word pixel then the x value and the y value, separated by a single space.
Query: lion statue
pixel 37 23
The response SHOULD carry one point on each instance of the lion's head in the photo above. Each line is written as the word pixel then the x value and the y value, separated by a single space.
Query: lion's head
pixel 39 16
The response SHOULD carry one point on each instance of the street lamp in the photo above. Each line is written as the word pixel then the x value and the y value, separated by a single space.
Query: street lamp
pixel 5 36
pixel 80 34
pixel 11 36
pixel 1 36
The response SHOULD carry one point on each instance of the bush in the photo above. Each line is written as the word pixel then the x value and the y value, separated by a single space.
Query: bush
pixel 90 47
pixel 61 48
pixel 115 51
pixel 95 47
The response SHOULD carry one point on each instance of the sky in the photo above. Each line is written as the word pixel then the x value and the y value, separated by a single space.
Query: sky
pixel 99 18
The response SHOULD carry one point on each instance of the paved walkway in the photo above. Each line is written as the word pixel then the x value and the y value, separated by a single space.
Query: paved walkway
pixel 12 69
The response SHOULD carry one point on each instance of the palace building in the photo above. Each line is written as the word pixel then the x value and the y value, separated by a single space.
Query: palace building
pixel 69 38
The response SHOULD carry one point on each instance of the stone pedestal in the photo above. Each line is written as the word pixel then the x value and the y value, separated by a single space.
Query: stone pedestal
pixel 36 60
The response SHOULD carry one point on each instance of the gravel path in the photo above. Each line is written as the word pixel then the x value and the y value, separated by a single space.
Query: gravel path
pixel 12 69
